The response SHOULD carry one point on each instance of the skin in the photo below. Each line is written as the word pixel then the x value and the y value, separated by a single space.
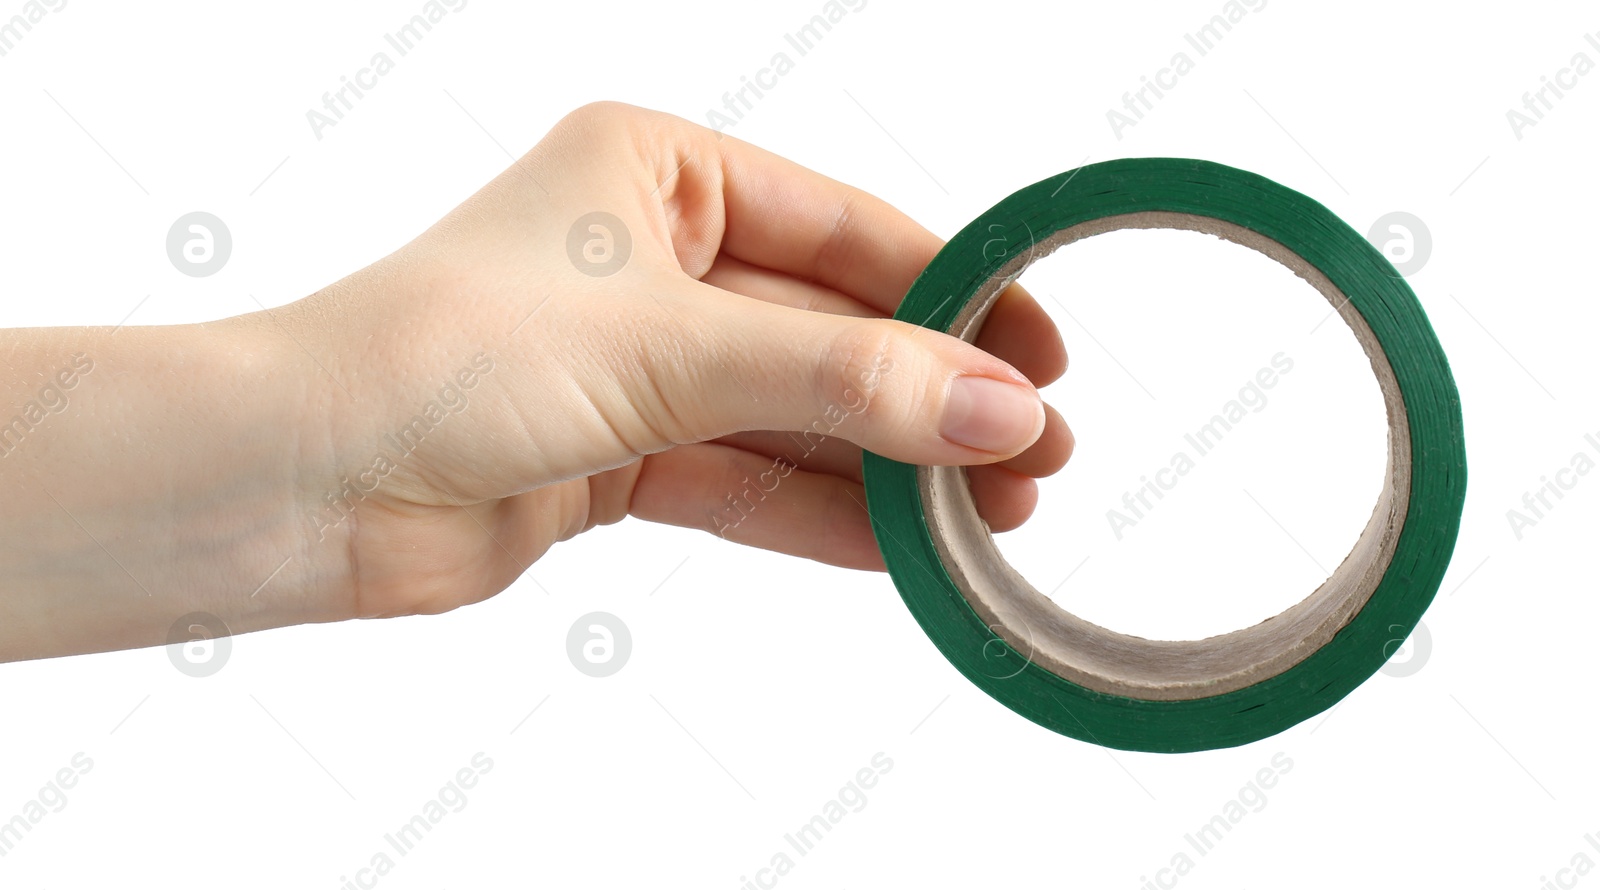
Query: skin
pixel 203 467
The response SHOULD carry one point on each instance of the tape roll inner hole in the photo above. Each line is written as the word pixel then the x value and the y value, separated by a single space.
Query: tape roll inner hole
pixel 1162 670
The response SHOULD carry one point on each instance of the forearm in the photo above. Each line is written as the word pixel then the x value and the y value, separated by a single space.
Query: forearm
pixel 153 472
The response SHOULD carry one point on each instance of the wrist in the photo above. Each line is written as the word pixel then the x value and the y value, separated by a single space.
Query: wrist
pixel 168 482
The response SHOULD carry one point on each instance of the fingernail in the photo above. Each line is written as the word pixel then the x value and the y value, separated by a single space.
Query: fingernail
pixel 991 415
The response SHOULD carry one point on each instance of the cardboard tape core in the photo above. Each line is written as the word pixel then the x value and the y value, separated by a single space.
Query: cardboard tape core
pixel 1104 660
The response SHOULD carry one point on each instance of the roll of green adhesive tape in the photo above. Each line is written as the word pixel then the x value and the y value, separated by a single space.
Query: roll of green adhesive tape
pixel 1123 691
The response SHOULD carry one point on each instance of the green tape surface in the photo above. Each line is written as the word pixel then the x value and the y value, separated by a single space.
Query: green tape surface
pixel 1006 236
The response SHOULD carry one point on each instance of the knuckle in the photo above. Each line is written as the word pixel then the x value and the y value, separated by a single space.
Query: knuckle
pixel 860 357
pixel 600 122
pixel 836 251
pixel 598 113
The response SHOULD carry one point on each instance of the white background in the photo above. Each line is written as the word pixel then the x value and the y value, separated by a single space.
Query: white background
pixel 758 685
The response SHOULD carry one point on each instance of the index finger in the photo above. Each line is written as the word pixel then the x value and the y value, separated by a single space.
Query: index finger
pixel 783 217
pixel 786 217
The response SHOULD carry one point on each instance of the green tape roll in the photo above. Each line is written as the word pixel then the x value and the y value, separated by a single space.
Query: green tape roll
pixel 1126 692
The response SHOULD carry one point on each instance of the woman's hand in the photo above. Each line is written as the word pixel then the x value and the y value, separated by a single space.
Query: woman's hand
pixel 638 317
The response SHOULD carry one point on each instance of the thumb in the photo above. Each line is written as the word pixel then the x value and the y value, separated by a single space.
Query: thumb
pixel 909 393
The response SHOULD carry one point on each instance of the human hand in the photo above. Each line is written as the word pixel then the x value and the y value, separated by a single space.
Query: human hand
pixel 714 354
pixel 745 319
